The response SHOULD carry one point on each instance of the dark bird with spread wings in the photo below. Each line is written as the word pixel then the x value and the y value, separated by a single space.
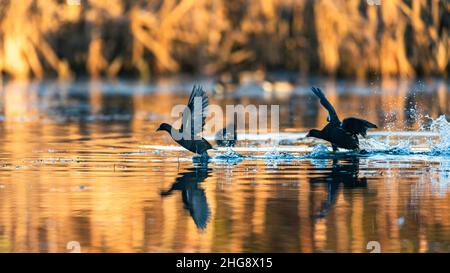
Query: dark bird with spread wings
pixel 340 134
pixel 193 121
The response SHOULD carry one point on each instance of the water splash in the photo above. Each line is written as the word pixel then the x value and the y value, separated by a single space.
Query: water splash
pixel 403 147
pixel 431 139
pixel 229 154
pixel 442 127
pixel 277 155
pixel 319 151
pixel 370 144
pixel 273 157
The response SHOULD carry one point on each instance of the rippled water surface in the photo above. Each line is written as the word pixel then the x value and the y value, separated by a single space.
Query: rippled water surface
pixel 82 162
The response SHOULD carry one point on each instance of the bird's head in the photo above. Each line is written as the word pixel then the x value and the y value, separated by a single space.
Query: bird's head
pixel 164 127
pixel 314 133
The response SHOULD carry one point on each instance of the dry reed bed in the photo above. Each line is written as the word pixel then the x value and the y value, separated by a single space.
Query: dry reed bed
pixel 109 38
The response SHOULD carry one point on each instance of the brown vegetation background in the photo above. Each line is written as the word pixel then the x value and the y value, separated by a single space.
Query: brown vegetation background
pixel 67 38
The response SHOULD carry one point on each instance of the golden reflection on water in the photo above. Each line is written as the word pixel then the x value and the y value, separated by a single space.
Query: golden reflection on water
pixel 70 173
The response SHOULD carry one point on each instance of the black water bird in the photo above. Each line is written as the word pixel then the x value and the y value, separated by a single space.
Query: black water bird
pixel 340 134
pixel 193 121
pixel 194 197
pixel 343 173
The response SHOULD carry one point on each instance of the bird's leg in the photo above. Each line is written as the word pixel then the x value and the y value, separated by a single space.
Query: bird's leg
pixel 335 148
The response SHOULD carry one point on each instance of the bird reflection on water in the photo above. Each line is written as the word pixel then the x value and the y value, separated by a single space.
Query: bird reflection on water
pixel 343 172
pixel 193 196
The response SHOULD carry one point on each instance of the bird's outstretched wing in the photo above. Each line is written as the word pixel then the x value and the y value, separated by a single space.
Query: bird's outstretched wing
pixel 332 116
pixel 357 126
pixel 194 115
